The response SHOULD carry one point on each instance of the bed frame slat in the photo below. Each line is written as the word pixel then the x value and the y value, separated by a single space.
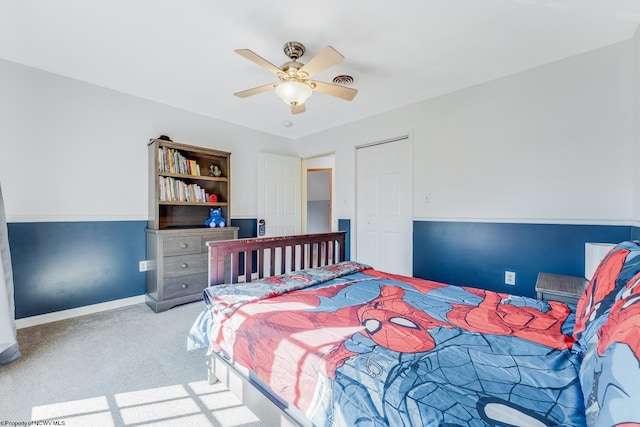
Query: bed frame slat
pixel 283 259
pixel 248 265
pixel 272 257
pixel 235 260
pixel 294 255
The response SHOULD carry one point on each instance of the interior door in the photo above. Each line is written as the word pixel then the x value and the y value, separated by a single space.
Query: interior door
pixel 278 187
pixel 384 229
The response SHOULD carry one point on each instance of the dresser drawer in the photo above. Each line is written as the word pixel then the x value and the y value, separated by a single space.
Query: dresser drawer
pixel 182 245
pixel 184 264
pixel 176 287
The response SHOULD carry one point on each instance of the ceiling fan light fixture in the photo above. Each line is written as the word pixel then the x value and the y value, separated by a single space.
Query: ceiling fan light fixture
pixel 293 92
pixel 295 87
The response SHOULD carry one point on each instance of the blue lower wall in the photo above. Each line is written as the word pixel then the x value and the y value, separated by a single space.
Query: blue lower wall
pixel 345 225
pixel 248 228
pixel 478 254
pixel 63 265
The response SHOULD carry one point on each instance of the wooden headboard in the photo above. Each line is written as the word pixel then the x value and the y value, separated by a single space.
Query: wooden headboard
pixel 272 255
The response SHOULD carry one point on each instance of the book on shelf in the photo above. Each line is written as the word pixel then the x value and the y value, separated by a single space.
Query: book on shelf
pixel 175 190
pixel 173 161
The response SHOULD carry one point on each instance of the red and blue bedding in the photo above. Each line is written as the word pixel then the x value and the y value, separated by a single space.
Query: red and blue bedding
pixel 348 345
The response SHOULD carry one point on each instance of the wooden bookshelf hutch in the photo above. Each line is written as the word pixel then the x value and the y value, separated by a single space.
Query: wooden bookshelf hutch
pixel 182 179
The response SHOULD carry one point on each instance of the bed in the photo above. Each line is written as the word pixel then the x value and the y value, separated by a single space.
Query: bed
pixel 311 339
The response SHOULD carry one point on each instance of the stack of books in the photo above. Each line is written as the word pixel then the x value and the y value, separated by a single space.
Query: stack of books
pixel 174 190
pixel 172 161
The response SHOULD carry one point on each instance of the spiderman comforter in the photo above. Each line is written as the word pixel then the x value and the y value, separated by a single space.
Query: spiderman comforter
pixel 348 345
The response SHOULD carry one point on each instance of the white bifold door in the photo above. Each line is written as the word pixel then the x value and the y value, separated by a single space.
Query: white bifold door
pixel 384 224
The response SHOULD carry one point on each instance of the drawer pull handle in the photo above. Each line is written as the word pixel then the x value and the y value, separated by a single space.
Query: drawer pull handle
pixel 184 286
pixel 184 265
pixel 184 246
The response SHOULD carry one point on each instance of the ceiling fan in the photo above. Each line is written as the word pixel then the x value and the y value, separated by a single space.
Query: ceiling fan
pixel 295 87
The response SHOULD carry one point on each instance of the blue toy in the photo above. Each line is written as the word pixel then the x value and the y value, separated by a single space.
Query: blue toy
pixel 215 219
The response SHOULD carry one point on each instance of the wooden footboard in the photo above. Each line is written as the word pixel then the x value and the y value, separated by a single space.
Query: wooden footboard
pixel 230 260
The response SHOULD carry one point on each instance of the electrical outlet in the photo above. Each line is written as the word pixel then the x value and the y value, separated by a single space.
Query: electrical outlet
pixel 509 277
pixel 145 265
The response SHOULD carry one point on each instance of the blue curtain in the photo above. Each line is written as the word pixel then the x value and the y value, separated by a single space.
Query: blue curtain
pixel 8 343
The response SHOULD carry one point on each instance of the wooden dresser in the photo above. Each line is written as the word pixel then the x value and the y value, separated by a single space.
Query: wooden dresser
pixel 180 261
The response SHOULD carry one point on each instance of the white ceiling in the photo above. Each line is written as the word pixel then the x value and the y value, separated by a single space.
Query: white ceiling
pixel 181 52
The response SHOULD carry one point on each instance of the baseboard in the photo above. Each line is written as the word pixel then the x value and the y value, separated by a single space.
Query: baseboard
pixel 75 312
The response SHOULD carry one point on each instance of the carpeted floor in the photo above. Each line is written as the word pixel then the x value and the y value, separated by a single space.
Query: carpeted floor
pixel 123 367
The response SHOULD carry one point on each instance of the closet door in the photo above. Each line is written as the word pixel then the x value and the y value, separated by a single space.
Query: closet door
pixel 384 229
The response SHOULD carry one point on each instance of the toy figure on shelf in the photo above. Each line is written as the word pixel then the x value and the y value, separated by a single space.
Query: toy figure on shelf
pixel 215 171
pixel 215 219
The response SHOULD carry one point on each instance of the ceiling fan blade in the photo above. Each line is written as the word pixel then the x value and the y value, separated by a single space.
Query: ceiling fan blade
pixel 254 57
pixel 345 93
pixel 255 90
pixel 297 109
pixel 328 57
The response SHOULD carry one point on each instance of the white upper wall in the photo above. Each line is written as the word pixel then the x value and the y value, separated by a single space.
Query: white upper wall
pixel 555 143
pixel 550 144
pixel 72 151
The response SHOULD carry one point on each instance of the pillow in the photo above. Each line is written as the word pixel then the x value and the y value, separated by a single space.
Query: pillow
pixel 613 273
pixel 609 336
